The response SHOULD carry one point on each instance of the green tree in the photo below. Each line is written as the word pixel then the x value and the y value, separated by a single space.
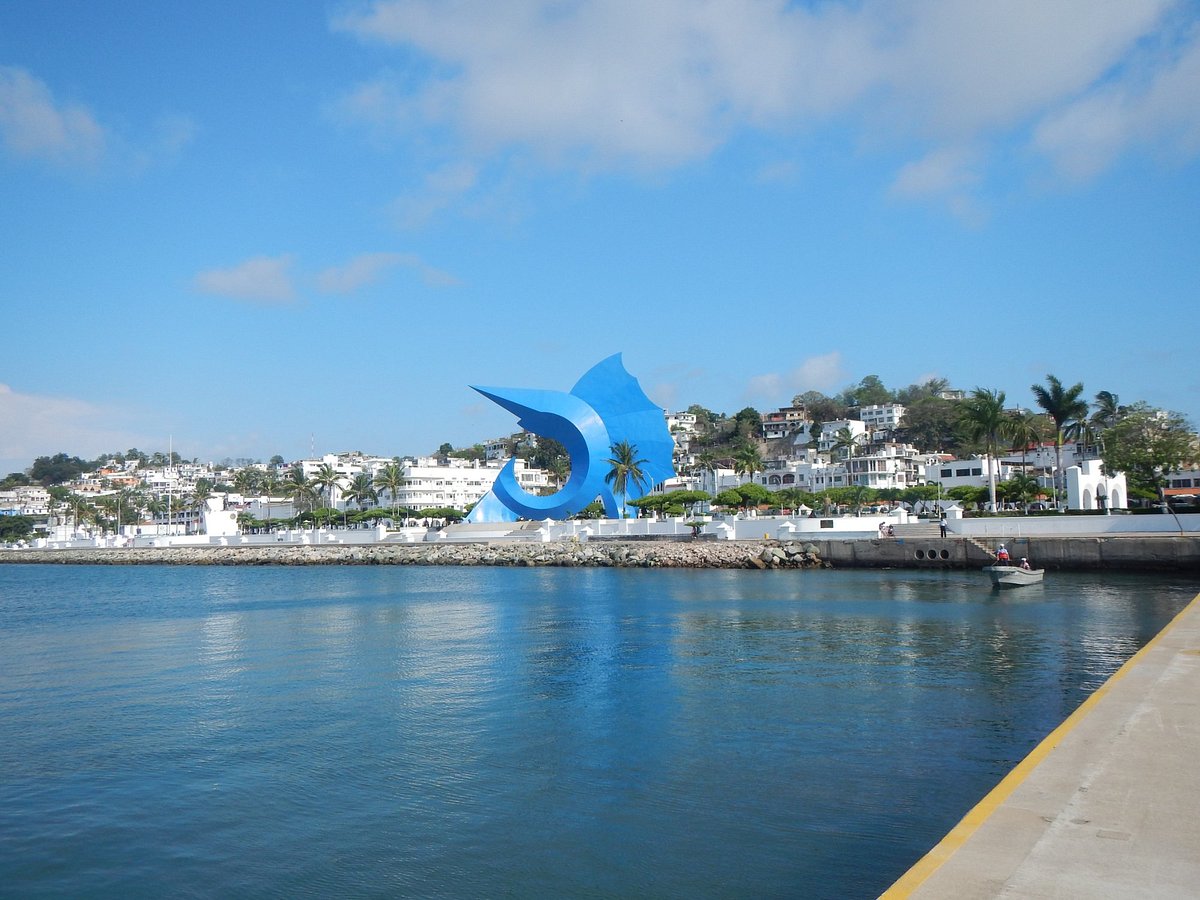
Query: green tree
pixel 748 460
pixel 1147 444
pixel 156 508
pixel 326 479
pixel 706 461
pixel 15 528
pixel 690 499
pixel 747 425
pixel 820 408
pixel 868 392
pixel 48 470
pixel 1023 429
pixel 1021 488
pixel 1107 410
pixel 298 488
pixel 626 470
pixel 932 388
pixel 729 498
pixel 752 495
pixel 246 481
pixel 391 478
pixel 968 495
pixel 844 443
pixel 984 419
pixel 270 486
pixel 706 419
pixel 1062 405
pixel 203 490
pixel 360 491
pixel 929 424
pixel 551 455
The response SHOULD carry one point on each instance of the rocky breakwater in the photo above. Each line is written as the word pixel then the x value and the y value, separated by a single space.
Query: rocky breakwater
pixel 667 555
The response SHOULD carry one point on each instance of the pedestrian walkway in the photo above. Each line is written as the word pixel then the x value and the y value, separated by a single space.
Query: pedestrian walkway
pixel 1105 807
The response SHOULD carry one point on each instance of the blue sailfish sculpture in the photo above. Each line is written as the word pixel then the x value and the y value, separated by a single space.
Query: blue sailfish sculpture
pixel 606 406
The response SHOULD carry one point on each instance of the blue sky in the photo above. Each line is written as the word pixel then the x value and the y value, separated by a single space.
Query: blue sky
pixel 272 227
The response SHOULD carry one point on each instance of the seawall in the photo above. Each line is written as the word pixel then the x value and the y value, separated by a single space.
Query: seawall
pixel 1151 553
pixel 1148 553
pixel 662 554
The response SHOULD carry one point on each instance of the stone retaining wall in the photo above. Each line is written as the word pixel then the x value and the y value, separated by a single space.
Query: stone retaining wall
pixel 1150 553
pixel 1147 553
pixel 676 554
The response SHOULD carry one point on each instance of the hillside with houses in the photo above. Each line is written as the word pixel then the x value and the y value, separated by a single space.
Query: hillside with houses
pixel 926 448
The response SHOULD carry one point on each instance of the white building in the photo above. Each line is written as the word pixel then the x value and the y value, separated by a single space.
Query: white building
pixel 882 416
pixel 1089 488
pixel 973 472
pixel 887 465
pixel 25 500
pixel 784 421
pixel 681 422
pixel 457 483
pixel 829 433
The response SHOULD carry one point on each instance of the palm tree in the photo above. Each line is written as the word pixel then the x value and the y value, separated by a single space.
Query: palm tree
pixel 1023 430
pixel 1022 488
pixel 845 442
pixel 296 486
pixel 560 468
pixel 1108 410
pixel 360 490
pixel 155 507
pixel 391 478
pixel 245 481
pixel 747 460
pixel 202 492
pixel 706 461
pixel 625 467
pixel 326 477
pixel 195 500
pixel 269 485
pixel 984 419
pixel 1063 405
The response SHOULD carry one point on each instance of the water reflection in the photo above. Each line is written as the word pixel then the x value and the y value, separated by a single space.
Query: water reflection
pixel 557 732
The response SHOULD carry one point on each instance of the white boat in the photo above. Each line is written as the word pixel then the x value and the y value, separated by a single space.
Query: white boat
pixel 1013 576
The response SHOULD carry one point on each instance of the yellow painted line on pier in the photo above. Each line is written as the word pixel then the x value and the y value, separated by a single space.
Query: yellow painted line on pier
pixel 924 868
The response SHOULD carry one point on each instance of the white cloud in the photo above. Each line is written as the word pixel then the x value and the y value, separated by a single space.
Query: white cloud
pixel 947 175
pixel 645 84
pixel 370 267
pixel 623 84
pixel 359 272
pixel 34 126
pixel 945 170
pixel 443 187
pixel 263 279
pixel 1156 108
pixel 38 425
pixel 817 373
pixel 958 70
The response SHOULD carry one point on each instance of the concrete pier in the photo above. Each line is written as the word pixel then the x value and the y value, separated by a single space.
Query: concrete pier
pixel 1105 807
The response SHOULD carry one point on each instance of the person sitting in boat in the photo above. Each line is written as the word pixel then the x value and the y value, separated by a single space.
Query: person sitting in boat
pixel 1025 563
pixel 1002 556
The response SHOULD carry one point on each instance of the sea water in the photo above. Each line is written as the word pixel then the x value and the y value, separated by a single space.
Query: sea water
pixel 485 732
